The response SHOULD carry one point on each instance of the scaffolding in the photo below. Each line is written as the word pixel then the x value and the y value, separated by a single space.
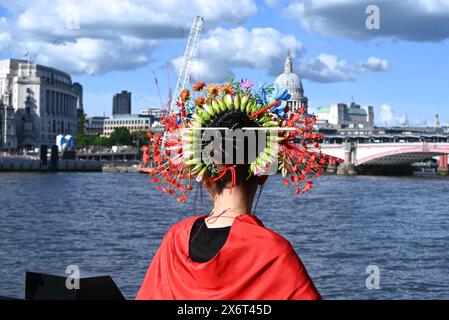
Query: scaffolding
pixel 189 55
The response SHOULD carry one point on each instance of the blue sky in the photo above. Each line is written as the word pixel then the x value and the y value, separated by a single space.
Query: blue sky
pixel 118 49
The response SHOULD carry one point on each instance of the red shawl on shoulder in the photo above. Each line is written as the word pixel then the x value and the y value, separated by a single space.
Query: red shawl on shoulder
pixel 254 263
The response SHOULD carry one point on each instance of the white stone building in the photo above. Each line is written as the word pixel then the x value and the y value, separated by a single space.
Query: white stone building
pixel 133 122
pixel 292 82
pixel 155 112
pixel 343 115
pixel 37 103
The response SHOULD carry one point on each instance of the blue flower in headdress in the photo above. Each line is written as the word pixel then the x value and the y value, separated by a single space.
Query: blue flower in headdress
pixel 282 96
pixel 279 110
pixel 262 95
pixel 190 108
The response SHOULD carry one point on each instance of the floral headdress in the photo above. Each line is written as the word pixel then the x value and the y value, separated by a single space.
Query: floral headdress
pixel 295 147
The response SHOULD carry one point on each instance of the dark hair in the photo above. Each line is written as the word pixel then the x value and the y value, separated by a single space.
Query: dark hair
pixel 234 120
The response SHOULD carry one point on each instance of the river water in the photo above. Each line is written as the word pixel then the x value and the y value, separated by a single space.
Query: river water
pixel 108 223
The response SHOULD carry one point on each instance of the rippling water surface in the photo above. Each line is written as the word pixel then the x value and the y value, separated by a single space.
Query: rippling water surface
pixel 113 223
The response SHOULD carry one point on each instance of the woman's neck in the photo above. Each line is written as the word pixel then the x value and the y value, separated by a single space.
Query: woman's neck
pixel 229 205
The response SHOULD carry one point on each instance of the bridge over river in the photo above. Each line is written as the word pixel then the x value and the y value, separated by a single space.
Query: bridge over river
pixel 350 152
pixel 384 153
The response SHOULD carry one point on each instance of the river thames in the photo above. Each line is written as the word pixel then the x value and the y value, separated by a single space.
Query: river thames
pixel 112 224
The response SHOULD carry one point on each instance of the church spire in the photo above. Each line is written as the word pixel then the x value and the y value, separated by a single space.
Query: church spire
pixel 288 67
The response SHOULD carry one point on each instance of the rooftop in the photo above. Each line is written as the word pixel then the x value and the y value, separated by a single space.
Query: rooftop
pixel 128 116
pixel 356 111
pixel 323 110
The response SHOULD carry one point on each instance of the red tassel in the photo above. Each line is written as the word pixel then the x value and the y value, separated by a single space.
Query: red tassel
pixel 233 176
pixel 255 114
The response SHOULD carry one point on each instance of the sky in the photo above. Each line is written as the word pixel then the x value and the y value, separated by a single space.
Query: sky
pixel 393 56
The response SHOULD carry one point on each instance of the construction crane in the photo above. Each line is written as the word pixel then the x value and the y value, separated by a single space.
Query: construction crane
pixel 192 44
pixel 156 81
pixel 167 70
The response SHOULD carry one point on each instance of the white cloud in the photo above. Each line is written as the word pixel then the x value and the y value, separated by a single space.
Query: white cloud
pixel 222 50
pixel 329 68
pixel 138 18
pixel 111 35
pixel 87 36
pixel 374 64
pixel 90 56
pixel 412 20
pixel 388 117
pixel 386 113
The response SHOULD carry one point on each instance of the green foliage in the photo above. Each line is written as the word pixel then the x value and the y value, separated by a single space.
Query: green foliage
pixel 121 136
pixel 140 137
pixel 235 84
pixel 100 141
pixel 83 141
pixel 81 120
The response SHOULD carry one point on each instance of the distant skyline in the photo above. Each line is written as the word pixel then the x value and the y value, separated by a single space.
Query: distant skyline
pixel 401 69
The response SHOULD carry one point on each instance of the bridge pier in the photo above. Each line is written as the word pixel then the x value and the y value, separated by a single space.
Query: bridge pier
pixel 348 167
pixel 443 165
pixel 332 166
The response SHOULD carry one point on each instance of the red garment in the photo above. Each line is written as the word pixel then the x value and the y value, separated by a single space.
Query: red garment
pixel 254 263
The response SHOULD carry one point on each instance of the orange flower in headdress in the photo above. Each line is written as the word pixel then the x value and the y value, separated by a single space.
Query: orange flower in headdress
pixel 185 95
pixel 227 88
pixel 212 91
pixel 199 102
pixel 199 86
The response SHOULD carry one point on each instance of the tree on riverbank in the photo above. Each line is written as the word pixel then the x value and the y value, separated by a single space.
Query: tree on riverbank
pixel 140 137
pixel 120 136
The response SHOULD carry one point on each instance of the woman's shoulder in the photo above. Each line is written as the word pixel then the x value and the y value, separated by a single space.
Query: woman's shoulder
pixel 264 235
pixel 250 227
